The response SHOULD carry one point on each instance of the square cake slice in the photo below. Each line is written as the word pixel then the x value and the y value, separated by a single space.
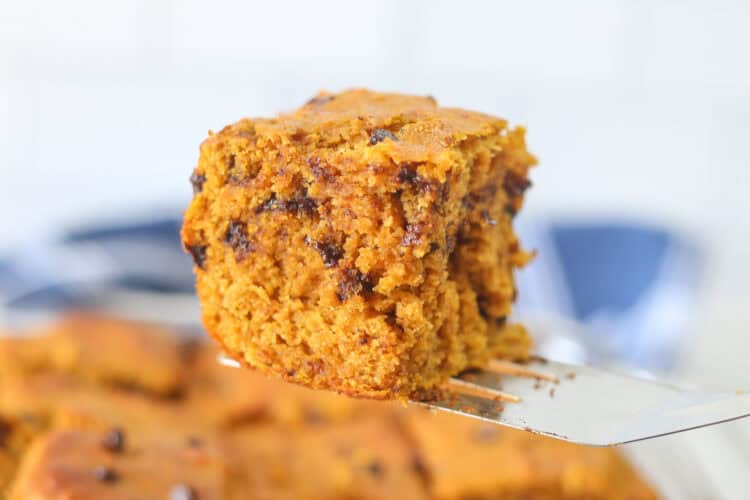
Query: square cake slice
pixel 363 243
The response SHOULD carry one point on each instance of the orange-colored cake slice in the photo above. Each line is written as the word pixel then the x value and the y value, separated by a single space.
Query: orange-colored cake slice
pixel 363 243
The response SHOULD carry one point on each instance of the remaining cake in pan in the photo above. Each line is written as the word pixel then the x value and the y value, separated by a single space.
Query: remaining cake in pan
pixel 234 434
pixel 127 355
pixel 81 465
pixel 363 243
pixel 471 459
pixel 366 458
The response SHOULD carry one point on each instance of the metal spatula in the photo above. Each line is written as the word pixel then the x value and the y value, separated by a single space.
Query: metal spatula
pixel 580 404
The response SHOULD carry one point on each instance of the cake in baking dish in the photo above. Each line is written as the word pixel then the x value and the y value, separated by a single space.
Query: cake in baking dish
pixel 233 434
pixel 363 243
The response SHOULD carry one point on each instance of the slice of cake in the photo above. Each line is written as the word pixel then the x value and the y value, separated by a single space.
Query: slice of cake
pixel 363 243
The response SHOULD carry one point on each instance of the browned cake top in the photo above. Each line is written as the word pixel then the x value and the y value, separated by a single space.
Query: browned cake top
pixel 398 127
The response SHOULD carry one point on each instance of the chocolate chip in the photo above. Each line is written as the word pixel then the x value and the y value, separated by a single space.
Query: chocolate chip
pixel 114 440
pixel 300 204
pixel 510 210
pixel 105 474
pixel 320 99
pixel 195 442
pixel 364 339
pixel 236 237
pixel 198 252
pixel 313 416
pixel 407 174
pixel 353 282
pixel 515 184
pixel 412 236
pixel 381 134
pixel 197 181
pixel 376 469
pixel 182 492
pixel 329 251
pixel 486 433
pixel 417 464
pixel 4 432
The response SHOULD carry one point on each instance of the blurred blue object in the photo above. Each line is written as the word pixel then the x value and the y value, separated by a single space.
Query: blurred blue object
pixel 630 290
pixel 597 293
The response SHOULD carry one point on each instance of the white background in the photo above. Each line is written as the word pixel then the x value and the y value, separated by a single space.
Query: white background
pixel 637 109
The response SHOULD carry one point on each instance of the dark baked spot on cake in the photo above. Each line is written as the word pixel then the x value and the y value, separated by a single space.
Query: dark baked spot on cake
pixel 197 180
pixel 236 237
pixel 501 321
pixel 353 282
pixel 114 440
pixel 182 492
pixel 329 251
pixel 381 134
pixel 376 469
pixel 320 99
pixel 514 184
pixel 483 306
pixel 198 252
pixel 412 235
pixel 233 177
pixel 320 169
pixel 298 136
pixel 106 474
pixel 488 218
pixel 450 242
pixel 364 339
pixel 315 366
